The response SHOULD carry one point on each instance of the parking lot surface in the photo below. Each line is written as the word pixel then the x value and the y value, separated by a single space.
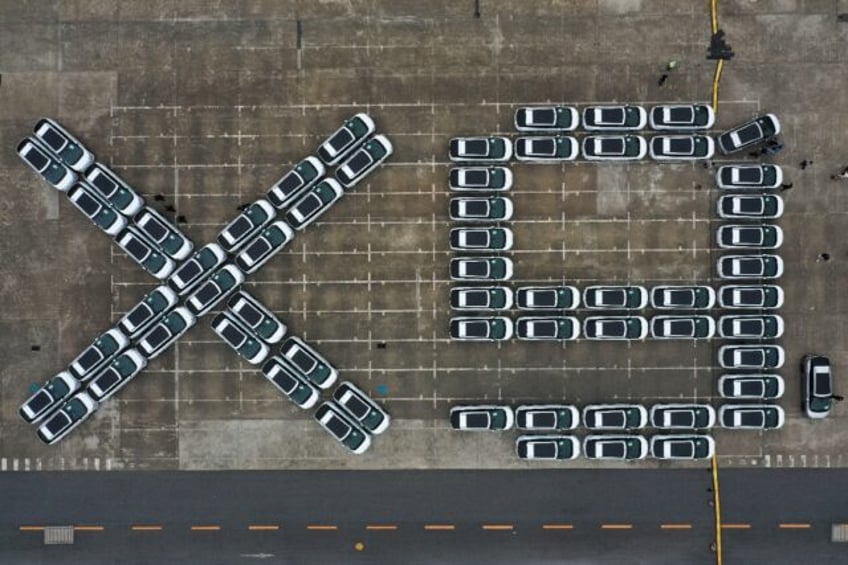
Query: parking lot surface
pixel 208 106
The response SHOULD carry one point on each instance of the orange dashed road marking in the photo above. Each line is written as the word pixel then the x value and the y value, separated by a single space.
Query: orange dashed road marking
pixel 89 528
pixel 146 528
pixel 498 527
pixel 557 527
pixel 439 527
pixel 795 526
pixel 263 528
pixel 736 526
pixel 31 528
pixel 616 526
pixel 322 527
pixel 205 528
pixel 675 526
pixel 381 527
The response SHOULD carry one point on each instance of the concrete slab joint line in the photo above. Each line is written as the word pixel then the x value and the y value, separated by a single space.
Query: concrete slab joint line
pixel 367 142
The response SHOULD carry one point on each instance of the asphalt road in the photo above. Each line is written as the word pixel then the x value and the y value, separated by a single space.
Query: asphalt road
pixel 634 516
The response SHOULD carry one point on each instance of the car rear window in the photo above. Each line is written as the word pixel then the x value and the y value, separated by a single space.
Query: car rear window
pixel 341 139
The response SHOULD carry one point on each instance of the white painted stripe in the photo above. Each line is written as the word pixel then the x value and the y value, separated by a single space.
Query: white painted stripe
pixel 3 464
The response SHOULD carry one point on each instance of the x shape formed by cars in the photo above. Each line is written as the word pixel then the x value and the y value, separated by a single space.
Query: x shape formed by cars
pixel 202 280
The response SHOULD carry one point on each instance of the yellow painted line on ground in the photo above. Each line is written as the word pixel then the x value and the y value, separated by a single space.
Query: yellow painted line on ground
pixel 795 526
pixel 322 527
pixel 716 79
pixel 440 527
pixel 210 528
pixel 31 528
pixel 675 526
pixel 498 527
pixel 381 527
pixel 616 526
pixel 713 16
pixel 89 528
pixel 717 510
pixel 736 526
pixel 557 526
pixel 263 527
pixel 139 528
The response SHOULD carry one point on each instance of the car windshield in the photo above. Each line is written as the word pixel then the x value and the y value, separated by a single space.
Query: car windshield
pixel 190 270
pixel 341 139
pixel 542 116
pixel 477 147
pixel 356 407
pixel 233 336
pixel 338 427
pixel 88 204
pixel 53 139
pixel 40 401
pixel 610 146
pixel 542 147
pixel 680 297
pixel 139 315
pixel 477 420
pixel 360 162
pixel 749 133
pixel 155 229
pixel 610 116
pixel 239 227
pixel 249 314
pixel 682 418
pixel 477 177
pixel 680 115
pixel 58 423
pixel 137 249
